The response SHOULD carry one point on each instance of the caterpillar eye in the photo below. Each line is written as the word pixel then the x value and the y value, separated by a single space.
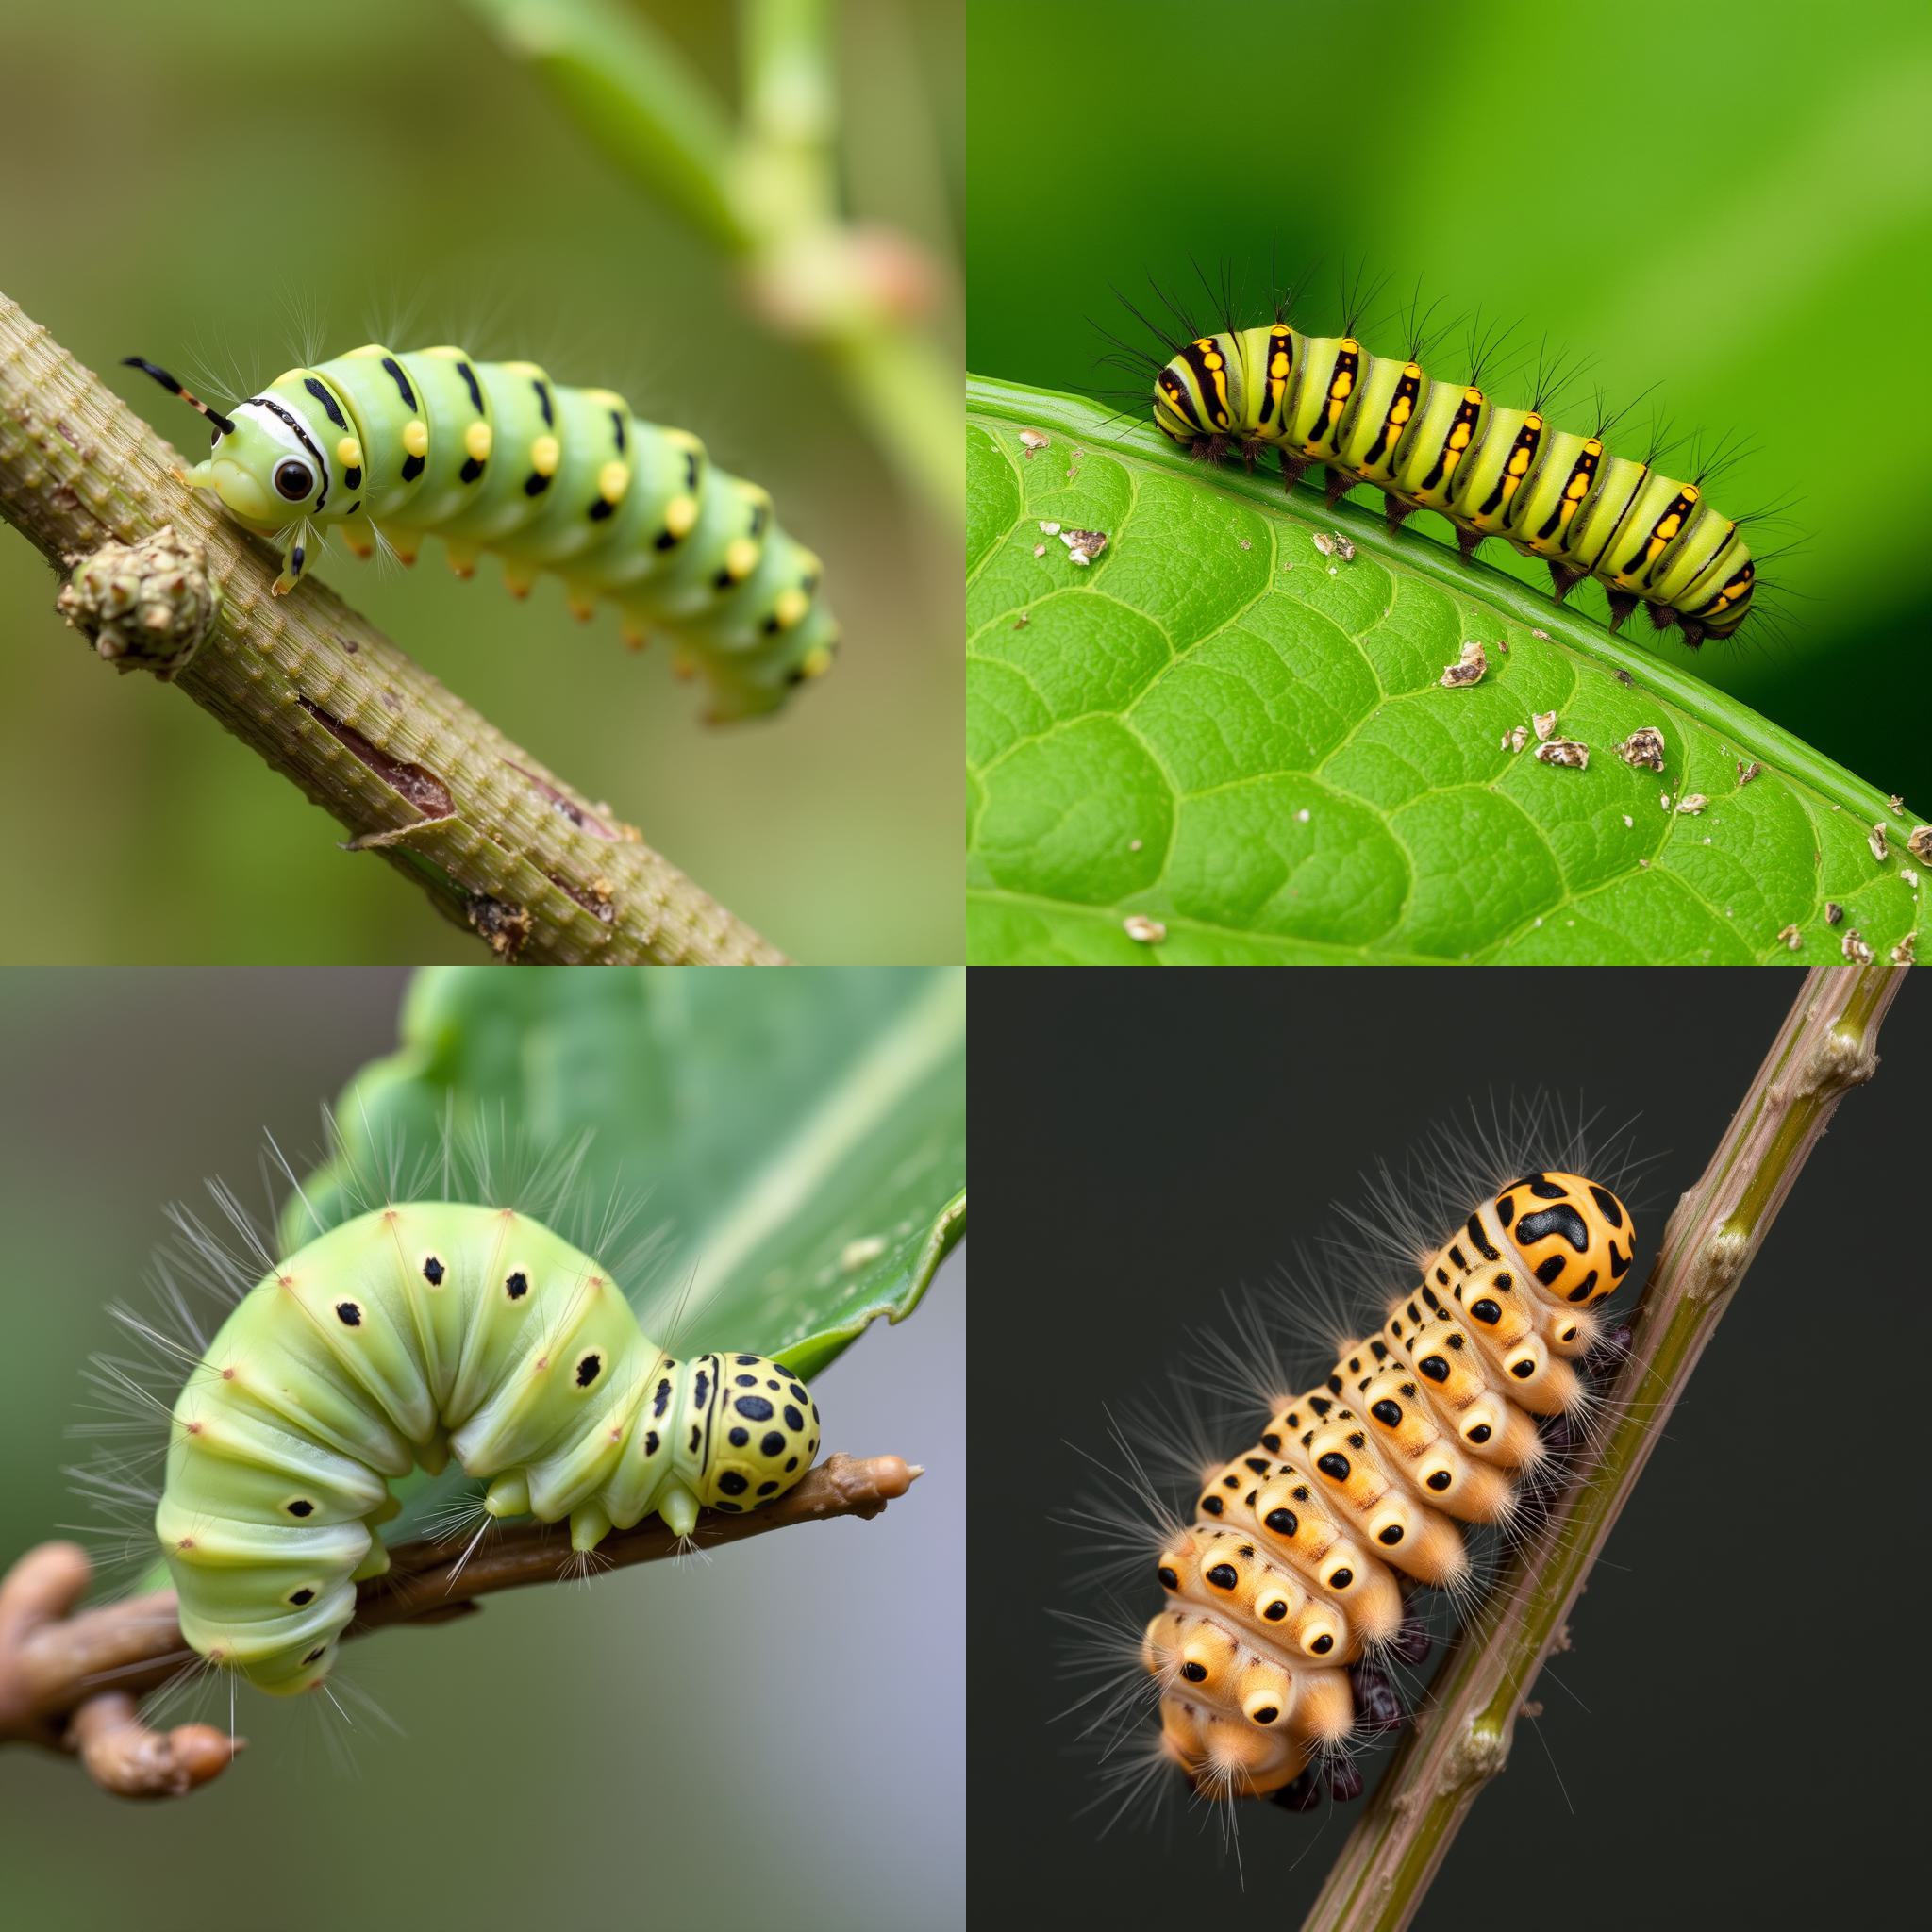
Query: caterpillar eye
pixel 293 480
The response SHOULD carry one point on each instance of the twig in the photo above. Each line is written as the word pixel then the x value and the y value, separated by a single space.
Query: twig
pixel 499 843
pixel 1826 1046
pixel 70 1682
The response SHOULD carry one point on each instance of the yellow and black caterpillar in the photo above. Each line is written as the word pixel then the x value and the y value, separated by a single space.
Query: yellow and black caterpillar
pixel 1288 1582
pixel 494 455
pixel 1447 446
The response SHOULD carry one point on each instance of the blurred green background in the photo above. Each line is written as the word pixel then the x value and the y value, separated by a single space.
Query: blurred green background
pixel 219 180
pixel 1732 202
pixel 820 1780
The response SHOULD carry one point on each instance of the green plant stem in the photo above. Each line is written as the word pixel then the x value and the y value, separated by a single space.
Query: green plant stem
pixel 765 194
pixel 498 842
pixel 1826 1045
pixel 1086 425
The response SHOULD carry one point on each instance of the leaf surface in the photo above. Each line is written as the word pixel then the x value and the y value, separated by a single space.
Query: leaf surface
pixel 1230 726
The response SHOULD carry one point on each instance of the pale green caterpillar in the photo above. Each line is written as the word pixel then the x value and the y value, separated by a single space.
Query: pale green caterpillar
pixel 404 1337
pixel 494 455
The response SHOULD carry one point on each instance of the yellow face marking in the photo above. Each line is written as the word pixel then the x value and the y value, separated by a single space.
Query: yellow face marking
pixel 349 453
pixel 741 560
pixel 476 441
pixel 816 663
pixel 791 608
pixel 680 514
pixel 543 455
pixel 416 437
pixel 613 479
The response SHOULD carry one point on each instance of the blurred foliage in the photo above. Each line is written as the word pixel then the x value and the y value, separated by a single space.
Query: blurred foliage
pixel 804 1144
pixel 1732 204
pixel 457 204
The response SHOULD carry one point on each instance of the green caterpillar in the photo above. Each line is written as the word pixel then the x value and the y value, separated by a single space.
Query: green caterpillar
pixel 410 1335
pixel 493 455
pixel 1446 446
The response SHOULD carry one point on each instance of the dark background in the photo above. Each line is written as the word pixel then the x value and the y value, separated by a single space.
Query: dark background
pixel 1719 205
pixel 1744 1723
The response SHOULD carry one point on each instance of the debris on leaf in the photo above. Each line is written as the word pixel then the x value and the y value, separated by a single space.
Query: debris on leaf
pixel 1644 746
pixel 1546 723
pixel 1875 838
pixel 1692 804
pixel 1747 771
pixel 1833 912
pixel 1563 751
pixel 1083 547
pixel 1906 951
pixel 1469 667
pixel 1792 938
pixel 1854 947
pixel 1033 440
pixel 1516 738
pixel 1148 932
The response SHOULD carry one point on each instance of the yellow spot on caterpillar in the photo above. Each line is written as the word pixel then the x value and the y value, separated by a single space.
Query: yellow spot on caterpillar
pixel 741 559
pixel 529 369
pixel 450 354
pixel 791 608
pixel 604 398
pixel 349 453
pixel 816 663
pixel 476 441
pixel 680 514
pixel 286 375
pixel 368 349
pixel 543 455
pixel 416 437
pixel 613 479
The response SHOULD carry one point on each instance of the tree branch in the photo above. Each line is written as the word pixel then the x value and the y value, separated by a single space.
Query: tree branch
pixel 499 843
pixel 1826 1046
pixel 71 1682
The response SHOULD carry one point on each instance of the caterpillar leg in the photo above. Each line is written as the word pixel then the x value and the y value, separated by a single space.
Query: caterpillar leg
pixel 407 544
pixel 374 1564
pixel 294 560
pixel 679 1509
pixel 1564 578
pixel 1394 511
pixel 360 546
pixel 1339 483
pixel 1468 541
pixel 463 557
pixel 518 578
pixel 1291 468
pixel 1621 604
pixel 508 1495
pixel 580 600
pixel 589 1525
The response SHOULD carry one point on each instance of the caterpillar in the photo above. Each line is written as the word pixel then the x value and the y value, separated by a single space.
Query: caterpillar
pixel 1286 1590
pixel 495 457
pixel 1447 446
pixel 411 1335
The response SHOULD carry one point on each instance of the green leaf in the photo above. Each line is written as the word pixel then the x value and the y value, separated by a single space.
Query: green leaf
pixel 801 1136
pixel 1241 735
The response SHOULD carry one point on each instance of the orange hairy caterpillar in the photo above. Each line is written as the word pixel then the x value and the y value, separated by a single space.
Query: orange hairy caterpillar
pixel 1294 1566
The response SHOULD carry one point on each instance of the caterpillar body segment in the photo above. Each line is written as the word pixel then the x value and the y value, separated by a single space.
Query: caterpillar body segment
pixel 494 456
pixel 409 1336
pixel 1490 469
pixel 1293 1567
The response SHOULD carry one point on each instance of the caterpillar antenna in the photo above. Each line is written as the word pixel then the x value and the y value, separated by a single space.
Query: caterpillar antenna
pixel 225 423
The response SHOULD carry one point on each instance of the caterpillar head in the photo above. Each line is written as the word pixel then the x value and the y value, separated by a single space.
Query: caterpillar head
pixel 763 1433
pixel 270 467
pixel 1198 393
pixel 1576 1237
